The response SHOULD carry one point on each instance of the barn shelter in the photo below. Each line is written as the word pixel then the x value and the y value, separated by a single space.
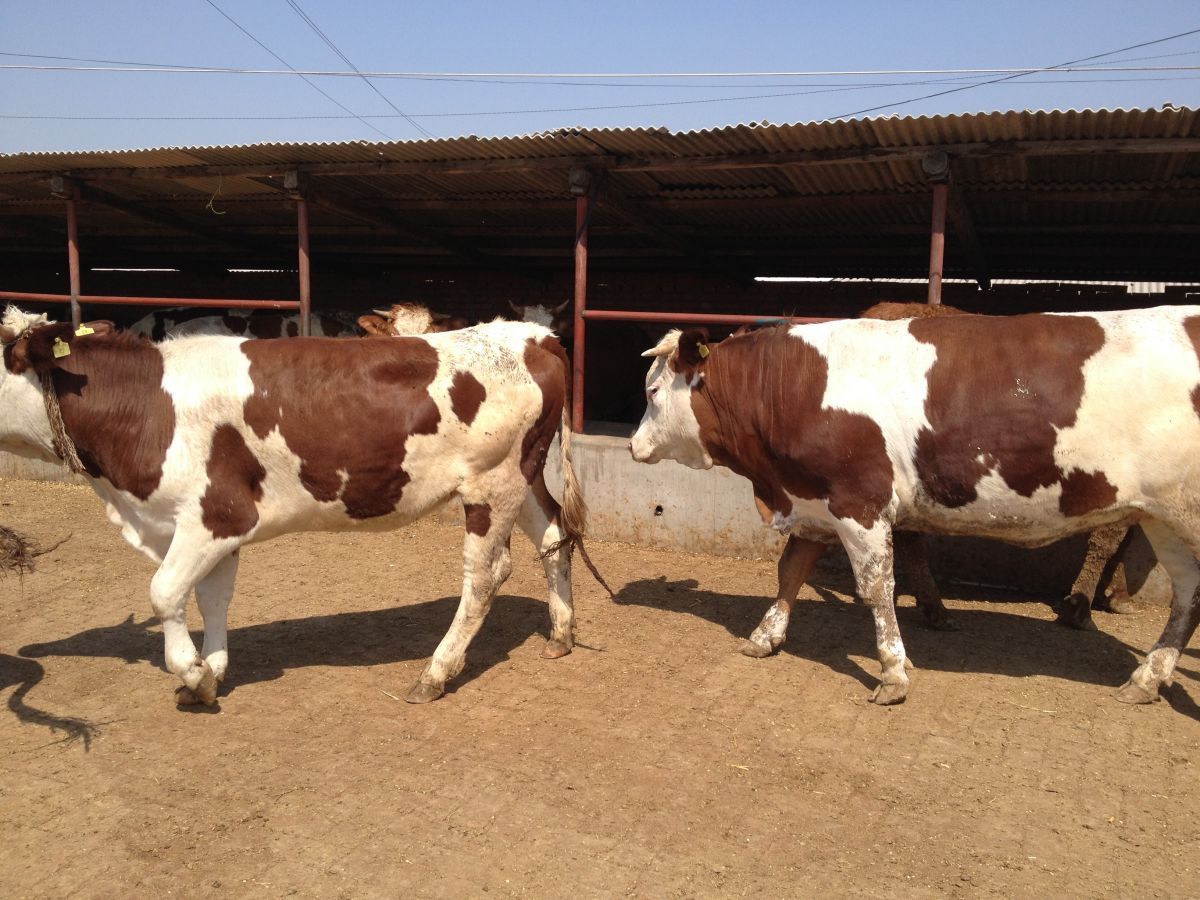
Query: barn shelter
pixel 641 228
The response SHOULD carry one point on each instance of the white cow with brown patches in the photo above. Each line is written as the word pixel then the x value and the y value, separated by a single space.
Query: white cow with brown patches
pixel 202 445
pixel 1024 428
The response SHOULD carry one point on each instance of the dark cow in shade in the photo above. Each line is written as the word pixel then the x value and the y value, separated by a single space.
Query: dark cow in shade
pixel 166 323
pixel 1024 428
pixel 201 445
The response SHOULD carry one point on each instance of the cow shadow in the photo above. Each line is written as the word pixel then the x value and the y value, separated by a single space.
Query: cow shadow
pixel 24 675
pixel 832 631
pixel 266 651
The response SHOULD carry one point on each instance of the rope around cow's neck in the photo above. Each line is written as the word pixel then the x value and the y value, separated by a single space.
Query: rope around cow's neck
pixel 63 445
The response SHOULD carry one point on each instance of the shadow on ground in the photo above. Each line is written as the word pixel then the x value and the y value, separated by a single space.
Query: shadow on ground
pixel 265 652
pixel 831 631
pixel 24 674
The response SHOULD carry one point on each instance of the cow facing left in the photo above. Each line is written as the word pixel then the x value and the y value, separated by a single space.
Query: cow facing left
pixel 201 445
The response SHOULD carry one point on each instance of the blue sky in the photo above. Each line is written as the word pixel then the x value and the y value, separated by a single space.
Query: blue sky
pixel 524 37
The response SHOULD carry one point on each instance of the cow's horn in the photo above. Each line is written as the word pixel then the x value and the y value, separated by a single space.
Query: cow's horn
pixel 520 311
pixel 561 307
pixel 382 312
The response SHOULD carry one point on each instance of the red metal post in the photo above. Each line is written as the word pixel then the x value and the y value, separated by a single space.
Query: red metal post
pixel 73 253
pixel 305 285
pixel 583 205
pixel 937 241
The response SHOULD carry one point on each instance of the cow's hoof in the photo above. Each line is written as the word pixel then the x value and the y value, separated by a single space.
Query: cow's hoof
pixel 185 696
pixel 942 623
pixel 205 692
pixel 1134 693
pixel 888 694
pixel 1122 606
pixel 424 693
pixel 757 651
pixel 555 649
pixel 1075 612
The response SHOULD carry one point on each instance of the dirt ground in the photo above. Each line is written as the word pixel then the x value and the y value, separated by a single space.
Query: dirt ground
pixel 654 761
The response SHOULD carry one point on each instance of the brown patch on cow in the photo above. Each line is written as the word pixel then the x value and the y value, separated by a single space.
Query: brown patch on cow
pixel 759 409
pixel 547 364
pixel 1192 326
pixel 478 518
pixel 999 391
pixel 265 327
pixel 1085 492
pixel 345 407
pixel 235 324
pixel 890 311
pixel 466 396
pixel 293 328
pixel 228 507
pixel 112 399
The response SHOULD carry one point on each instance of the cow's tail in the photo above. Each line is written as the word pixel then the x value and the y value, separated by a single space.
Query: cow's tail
pixel 574 508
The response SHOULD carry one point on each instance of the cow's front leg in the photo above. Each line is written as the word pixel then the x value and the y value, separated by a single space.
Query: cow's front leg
pixel 192 556
pixel 487 563
pixel 870 552
pixel 796 565
pixel 540 519
pixel 213 593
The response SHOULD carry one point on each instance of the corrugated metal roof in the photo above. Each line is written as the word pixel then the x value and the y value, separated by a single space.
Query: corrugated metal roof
pixel 1056 194
pixel 882 131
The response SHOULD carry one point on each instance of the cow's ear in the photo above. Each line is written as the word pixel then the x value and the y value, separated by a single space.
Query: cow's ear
pixel 97 326
pixel 377 325
pixel 693 347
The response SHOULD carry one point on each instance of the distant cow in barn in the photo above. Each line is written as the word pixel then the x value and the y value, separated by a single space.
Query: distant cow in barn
pixel 166 323
pixel 201 445
pixel 407 319
pixel 1024 428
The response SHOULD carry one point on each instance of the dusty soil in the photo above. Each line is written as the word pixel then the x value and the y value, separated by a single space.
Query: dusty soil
pixel 654 761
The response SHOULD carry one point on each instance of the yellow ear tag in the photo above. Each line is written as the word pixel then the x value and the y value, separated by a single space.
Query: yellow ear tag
pixel 60 349
pixel 703 349
pixel 83 329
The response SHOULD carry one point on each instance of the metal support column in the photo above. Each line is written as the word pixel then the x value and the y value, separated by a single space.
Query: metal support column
pixel 69 191
pixel 582 187
pixel 305 283
pixel 936 165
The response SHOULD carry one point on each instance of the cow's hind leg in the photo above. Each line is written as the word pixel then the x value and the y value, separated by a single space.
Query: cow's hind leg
pixel 1075 610
pixel 192 556
pixel 213 593
pixel 796 565
pixel 912 559
pixel 487 562
pixel 1179 559
pixel 540 518
pixel 870 553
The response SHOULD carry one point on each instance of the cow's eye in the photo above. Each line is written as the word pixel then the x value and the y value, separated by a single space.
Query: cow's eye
pixel 651 392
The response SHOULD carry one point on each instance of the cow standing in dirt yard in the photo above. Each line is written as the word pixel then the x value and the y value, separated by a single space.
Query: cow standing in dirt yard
pixel 201 445
pixel 800 555
pixel 1025 428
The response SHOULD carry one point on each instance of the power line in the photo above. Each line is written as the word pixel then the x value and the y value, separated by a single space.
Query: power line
pixel 1059 67
pixel 344 58
pixel 286 63
pixel 513 112
pixel 128 66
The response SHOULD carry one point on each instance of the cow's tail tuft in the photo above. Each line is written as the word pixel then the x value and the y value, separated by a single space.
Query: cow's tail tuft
pixel 574 508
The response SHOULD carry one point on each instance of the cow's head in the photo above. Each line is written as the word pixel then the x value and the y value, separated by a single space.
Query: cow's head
pixel 669 429
pixel 28 342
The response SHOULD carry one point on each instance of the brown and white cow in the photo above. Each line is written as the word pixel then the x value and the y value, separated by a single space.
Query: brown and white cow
pixel 406 319
pixel 800 555
pixel 1024 428
pixel 201 445
pixel 184 322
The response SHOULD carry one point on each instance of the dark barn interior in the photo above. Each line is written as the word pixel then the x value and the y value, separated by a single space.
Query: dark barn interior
pixel 1039 208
